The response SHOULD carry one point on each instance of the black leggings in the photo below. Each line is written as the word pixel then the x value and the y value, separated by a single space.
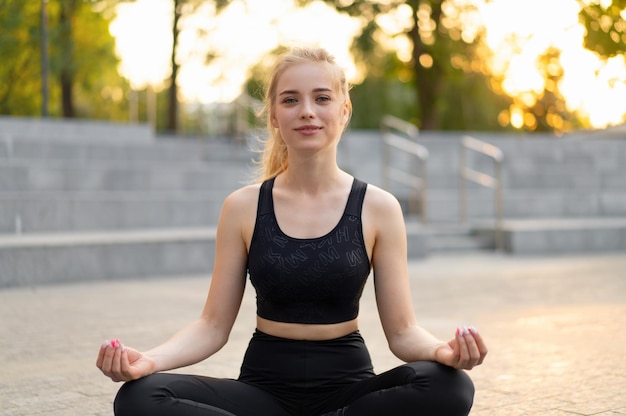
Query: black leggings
pixel 282 377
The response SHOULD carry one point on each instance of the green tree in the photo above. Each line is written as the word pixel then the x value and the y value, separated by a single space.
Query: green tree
pixel 182 8
pixel 547 110
pixel 550 113
pixel 605 27
pixel 445 69
pixel 83 66
pixel 82 52
pixel 20 72
pixel 172 113
pixel 383 91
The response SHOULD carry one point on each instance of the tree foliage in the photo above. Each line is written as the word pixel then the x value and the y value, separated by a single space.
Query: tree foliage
pixel 605 27
pixel 181 9
pixel 549 112
pixel 440 82
pixel 20 72
pixel 83 76
pixel 450 85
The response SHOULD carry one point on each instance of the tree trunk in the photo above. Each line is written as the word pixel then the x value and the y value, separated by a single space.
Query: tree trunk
pixel 68 8
pixel 428 80
pixel 172 124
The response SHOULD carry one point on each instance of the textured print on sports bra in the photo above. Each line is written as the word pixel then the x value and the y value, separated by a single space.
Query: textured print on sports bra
pixel 314 281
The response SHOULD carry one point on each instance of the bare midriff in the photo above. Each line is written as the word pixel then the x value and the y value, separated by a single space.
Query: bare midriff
pixel 308 332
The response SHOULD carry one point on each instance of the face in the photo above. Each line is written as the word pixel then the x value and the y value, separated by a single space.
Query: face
pixel 309 110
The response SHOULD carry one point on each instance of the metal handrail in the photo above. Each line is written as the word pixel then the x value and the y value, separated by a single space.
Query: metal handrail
pixel 494 182
pixel 401 135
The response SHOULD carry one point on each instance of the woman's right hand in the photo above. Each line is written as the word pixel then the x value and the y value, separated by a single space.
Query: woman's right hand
pixel 121 363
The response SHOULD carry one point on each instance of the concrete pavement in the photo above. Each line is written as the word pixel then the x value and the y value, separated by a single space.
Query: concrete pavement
pixel 555 327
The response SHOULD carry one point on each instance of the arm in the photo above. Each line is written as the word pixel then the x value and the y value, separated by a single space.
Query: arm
pixel 209 333
pixel 384 225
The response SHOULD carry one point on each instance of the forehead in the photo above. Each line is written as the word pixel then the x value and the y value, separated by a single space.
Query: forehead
pixel 307 76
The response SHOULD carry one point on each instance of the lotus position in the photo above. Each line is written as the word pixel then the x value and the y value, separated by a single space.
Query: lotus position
pixel 307 234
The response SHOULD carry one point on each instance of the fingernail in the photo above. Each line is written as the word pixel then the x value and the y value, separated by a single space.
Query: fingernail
pixel 459 331
pixel 106 344
pixel 474 330
pixel 465 330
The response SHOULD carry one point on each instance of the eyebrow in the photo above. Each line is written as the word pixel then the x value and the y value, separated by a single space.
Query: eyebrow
pixel 321 89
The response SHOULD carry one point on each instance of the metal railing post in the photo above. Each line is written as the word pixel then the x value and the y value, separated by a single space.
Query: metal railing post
pixel 499 206
pixel 424 198
pixel 494 182
pixel 401 135
pixel 385 160
pixel 463 186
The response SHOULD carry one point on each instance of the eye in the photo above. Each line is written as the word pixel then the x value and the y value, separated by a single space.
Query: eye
pixel 323 98
pixel 289 100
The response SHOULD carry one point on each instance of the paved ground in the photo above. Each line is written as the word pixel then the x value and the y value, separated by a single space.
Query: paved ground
pixel 556 329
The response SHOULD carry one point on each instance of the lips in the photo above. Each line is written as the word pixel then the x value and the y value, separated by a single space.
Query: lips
pixel 308 129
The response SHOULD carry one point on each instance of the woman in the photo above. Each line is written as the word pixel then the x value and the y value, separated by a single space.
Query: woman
pixel 308 235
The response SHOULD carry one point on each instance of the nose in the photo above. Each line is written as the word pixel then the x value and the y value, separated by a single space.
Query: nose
pixel 306 110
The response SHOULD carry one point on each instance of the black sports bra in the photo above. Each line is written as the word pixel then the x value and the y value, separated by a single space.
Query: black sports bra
pixel 314 280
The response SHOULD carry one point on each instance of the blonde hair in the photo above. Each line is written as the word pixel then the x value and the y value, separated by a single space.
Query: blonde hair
pixel 274 153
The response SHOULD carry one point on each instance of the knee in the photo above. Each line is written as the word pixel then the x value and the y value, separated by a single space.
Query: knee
pixel 126 399
pixel 134 398
pixel 452 389
pixel 461 390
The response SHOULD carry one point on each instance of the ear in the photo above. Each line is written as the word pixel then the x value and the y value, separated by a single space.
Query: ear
pixel 346 112
pixel 273 121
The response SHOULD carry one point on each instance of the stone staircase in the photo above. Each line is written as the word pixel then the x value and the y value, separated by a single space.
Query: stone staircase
pixel 561 195
pixel 84 201
pixel 120 203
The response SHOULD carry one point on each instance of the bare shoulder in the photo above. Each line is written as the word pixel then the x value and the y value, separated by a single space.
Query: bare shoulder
pixel 379 201
pixel 240 206
pixel 243 197
pixel 382 214
pixel 383 227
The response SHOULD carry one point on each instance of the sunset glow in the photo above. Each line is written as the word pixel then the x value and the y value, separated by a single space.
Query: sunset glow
pixel 517 32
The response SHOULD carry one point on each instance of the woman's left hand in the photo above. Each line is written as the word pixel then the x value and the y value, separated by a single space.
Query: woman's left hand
pixel 465 351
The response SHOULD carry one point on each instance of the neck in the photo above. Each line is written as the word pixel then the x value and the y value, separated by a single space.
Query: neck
pixel 312 175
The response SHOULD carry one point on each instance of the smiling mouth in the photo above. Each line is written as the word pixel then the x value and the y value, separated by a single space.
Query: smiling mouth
pixel 308 128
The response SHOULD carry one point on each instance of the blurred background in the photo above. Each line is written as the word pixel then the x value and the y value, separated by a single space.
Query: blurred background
pixel 194 67
pixel 500 125
pixel 122 126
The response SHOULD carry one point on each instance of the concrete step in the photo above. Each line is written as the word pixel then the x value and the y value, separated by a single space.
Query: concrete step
pixel 522 154
pixel 182 150
pixel 77 257
pixel 47 258
pixel 447 238
pixel 445 243
pixel 554 236
pixel 85 130
pixel 37 212
pixel 55 175
pixel 543 236
pixel 443 206
pixel 565 179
